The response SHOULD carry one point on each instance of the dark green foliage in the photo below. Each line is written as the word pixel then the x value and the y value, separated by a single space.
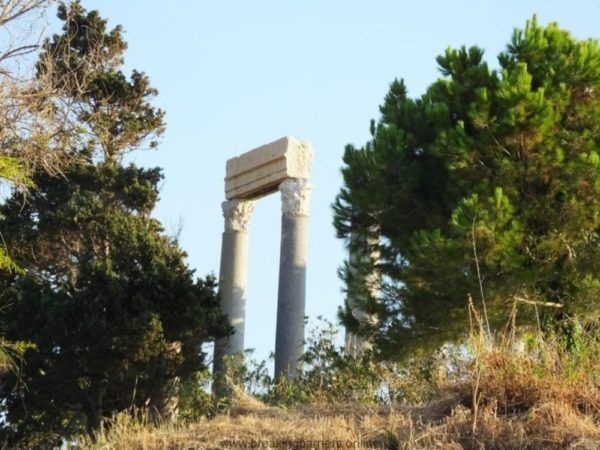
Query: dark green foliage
pixel 116 316
pixel 496 168
pixel 107 299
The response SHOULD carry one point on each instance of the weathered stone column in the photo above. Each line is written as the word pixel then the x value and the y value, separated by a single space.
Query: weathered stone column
pixel 289 339
pixel 232 277
pixel 363 287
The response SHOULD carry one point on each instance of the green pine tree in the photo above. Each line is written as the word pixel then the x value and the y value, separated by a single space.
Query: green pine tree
pixel 489 185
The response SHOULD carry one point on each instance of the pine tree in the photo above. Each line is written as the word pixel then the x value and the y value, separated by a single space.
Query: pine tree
pixel 486 185
pixel 116 316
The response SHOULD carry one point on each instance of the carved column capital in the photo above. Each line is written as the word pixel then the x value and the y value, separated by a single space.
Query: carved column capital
pixel 295 196
pixel 237 214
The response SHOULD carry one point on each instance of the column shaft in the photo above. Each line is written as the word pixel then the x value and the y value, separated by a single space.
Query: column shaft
pixel 363 288
pixel 289 339
pixel 232 278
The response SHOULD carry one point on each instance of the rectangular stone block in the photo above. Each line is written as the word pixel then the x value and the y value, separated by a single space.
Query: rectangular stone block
pixel 260 171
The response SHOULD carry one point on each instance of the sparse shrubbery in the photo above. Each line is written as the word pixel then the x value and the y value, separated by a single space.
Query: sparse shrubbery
pixel 330 375
pixel 545 372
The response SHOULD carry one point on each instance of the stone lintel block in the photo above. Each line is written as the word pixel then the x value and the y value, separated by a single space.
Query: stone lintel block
pixel 260 171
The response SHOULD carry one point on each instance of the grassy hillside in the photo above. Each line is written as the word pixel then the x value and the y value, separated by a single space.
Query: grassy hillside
pixel 537 397
pixel 446 423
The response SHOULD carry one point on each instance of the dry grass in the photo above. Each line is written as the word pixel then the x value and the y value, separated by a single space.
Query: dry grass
pixel 542 398
pixel 543 420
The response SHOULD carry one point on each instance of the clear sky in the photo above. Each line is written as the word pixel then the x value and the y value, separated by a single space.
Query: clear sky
pixel 234 75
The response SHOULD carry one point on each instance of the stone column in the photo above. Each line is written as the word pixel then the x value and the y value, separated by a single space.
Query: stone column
pixel 364 287
pixel 289 339
pixel 232 277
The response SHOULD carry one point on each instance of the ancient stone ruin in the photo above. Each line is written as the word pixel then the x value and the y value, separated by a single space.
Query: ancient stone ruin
pixel 284 166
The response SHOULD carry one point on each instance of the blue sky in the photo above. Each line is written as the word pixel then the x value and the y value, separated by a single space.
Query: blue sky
pixel 234 75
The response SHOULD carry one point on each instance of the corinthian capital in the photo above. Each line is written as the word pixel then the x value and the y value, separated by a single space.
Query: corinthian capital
pixel 237 214
pixel 295 196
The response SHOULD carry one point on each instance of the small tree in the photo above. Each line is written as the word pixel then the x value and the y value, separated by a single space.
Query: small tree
pixel 115 314
pixel 486 185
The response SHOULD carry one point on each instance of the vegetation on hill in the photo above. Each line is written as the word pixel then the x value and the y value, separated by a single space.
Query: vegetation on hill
pixel 486 396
